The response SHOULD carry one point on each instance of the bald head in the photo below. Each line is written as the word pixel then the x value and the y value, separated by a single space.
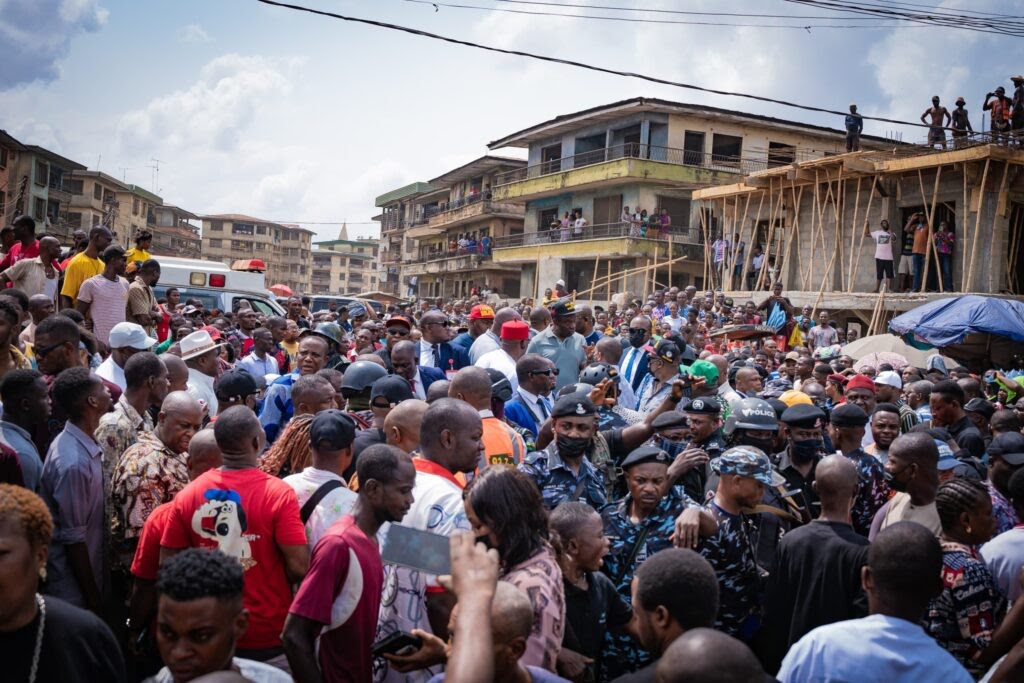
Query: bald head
pixel 720 362
pixel 239 435
pixel 511 614
pixel 203 453
pixel 916 447
pixel 836 480
pixel 373 358
pixel 180 403
pixel 177 372
pixel 402 425
pixel 502 317
pixel 437 389
pixel 472 385
pixel 708 656
pixel 540 317
pixel 609 349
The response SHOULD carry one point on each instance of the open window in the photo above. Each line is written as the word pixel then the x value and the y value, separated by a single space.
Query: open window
pixel 693 148
pixel 726 150
pixel 780 154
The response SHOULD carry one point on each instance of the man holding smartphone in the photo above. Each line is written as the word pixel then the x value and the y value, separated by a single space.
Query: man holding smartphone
pixel 337 604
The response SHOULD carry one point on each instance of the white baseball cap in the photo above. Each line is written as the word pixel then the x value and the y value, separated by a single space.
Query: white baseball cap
pixel 130 335
pixel 889 377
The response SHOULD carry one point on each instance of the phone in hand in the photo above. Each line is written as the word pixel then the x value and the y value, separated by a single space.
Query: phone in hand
pixel 398 643
pixel 409 547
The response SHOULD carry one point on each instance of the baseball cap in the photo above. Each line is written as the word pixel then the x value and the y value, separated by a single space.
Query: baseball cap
pixel 890 378
pixel 1008 446
pixel 664 350
pixel 562 307
pixel 481 312
pixel 747 461
pixel 357 310
pixel 947 460
pixel 399 320
pixel 792 355
pixel 391 387
pixel 332 428
pixel 705 369
pixel 981 406
pixel 234 383
pixel 131 336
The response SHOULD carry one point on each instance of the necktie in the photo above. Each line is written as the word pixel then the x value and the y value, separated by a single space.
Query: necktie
pixel 543 408
pixel 629 365
pixel 412 385
pixel 437 355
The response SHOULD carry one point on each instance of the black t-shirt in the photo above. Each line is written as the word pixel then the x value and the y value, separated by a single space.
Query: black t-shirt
pixel 364 439
pixel 77 646
pixel 967 437
pixel 590 613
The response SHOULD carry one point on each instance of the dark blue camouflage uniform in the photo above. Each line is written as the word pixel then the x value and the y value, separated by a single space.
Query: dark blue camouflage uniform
pixel 557 483
pixel 873 491
pixel 731 552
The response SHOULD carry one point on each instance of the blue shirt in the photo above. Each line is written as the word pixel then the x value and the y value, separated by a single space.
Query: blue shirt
pixel 21 441
pixel 557 483
pixel 277 406
pixel 72 486
pixel 731 553
pixel 875 649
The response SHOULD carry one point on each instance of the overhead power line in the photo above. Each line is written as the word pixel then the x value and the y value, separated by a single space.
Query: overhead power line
pixel 997 24
pixel 580 65
pixel 638 20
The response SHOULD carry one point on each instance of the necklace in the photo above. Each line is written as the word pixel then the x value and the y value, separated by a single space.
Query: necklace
pixel 39 639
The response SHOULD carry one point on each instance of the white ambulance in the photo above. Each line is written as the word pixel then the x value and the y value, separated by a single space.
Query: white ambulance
pixel 216 285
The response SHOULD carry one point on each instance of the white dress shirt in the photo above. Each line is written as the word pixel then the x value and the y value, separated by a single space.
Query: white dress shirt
pixel 200 387
pixel 501 361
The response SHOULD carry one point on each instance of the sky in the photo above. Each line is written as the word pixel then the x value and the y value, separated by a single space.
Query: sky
pixel 248 108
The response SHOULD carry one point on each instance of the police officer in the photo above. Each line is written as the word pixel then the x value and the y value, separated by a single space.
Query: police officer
pixel 752 422
pixel 356 386
pixel 705 445
pixel 744 473
pixel 798 461
pixel 640 525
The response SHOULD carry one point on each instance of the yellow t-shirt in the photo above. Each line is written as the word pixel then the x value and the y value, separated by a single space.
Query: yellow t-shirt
pixel 135 254
pixel 80 268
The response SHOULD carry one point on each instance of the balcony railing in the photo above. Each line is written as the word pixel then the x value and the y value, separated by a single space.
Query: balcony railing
pixel 680 235
pixel 441 254
pixel 456 203
pixel 634 150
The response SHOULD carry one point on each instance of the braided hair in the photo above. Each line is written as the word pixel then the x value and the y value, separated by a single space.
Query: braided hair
pixel 291 452
pixel 956 497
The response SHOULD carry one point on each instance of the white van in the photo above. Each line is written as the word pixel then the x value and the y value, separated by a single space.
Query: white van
pixel 215 284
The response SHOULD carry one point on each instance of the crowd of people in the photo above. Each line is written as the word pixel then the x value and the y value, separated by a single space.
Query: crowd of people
pixel 628 494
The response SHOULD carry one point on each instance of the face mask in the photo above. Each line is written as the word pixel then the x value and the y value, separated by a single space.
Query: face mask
pixel 637 339
pixel 673 448
pixel 572 446
pixel 766 445
pixel 807 450
pixel 895 484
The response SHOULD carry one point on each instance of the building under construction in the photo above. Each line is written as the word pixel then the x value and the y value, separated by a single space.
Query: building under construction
pixel 810 217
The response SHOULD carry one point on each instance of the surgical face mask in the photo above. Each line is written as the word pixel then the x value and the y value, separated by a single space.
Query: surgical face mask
pixel 673 448
pixel 572 446
pixel 806 450
pixel 637 338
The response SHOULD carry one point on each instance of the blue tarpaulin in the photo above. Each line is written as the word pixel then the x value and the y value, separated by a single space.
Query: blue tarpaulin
pixel 968 327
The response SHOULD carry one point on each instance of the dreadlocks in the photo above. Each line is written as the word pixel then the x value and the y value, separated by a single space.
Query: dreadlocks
pixel 956 497
pixel 291 452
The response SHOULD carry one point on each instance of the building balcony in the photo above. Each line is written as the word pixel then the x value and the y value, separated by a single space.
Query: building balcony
pixel 604 240
pixel 438 262
pixel 622 163
pixel 465 210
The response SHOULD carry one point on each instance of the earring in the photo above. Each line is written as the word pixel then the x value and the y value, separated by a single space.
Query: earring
pixel 42 573
pixel 967 529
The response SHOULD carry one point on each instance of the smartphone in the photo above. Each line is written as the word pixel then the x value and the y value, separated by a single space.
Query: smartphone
pixel 421 550
pixel 398 643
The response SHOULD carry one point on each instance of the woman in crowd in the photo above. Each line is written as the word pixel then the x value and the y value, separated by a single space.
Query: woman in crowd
pixel 44 638
pixel 505 510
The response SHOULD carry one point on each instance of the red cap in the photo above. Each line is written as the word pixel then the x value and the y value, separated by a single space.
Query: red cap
pixel 400 319
pixel 215 334
pixel 515 330
pixel 861 382
pixel 836 377
pixel 480 312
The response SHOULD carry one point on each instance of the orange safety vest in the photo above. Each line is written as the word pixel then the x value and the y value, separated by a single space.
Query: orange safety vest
pixel 502 445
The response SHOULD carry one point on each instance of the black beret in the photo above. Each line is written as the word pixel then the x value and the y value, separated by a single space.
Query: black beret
pixel 670 420
pixel 802 415
pixel 574 405
pixel 849 415
pixel 646 454
pixel 703 406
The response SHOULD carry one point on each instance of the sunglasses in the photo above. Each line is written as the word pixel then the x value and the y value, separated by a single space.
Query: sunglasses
pixel 41 351
pixel 549 372
pixel 380 406
pixel 398 332
pixel 444 324
pixel 638 330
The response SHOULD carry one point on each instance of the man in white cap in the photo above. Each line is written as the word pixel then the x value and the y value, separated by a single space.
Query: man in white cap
pixel 126 339
pixel 889 389
pixel 202 356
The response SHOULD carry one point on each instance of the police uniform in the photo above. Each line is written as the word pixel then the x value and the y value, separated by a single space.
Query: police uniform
pixel 873 491
pixel 731 550
pixel 695 481
pixel 630 545
pixel 799 486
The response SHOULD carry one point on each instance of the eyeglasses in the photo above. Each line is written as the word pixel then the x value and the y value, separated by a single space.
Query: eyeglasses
pixel 442 324
pixel 638 330
pixel 398 332
pixel 548 372
pixel 41 351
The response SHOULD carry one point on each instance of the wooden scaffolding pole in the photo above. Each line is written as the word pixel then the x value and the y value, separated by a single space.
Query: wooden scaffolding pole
pixel 670 254
pixel 859 251
pixel 930 252
pixel 969 281
pixel 593 278
pixel 608 288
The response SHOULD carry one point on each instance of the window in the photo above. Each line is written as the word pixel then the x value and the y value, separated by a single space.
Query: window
pixel 678 210
pixel 693 148
pixel 74 186
pixel 42 173
pixel 261 230
pixel 95 219
pixel 39 209
pixel 216 226
pixel 355 263
pixel 243 229
pixel 215 244
pixel 74 219
pixel 240 245
pixel 136 208
pixel 607 210
pixel 726 149
pixel 3 157
pixel 550 158
pixel 97 191
pixel 545 217
pixel 780 154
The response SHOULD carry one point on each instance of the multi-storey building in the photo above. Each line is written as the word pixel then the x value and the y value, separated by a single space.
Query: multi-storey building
pixel 644 154
pixel 344 266
pixel 284 248
pixel 10 150
pixel 173 234
pixel 94 200
pixel 400 211
pixel 40 185
pixel 454 226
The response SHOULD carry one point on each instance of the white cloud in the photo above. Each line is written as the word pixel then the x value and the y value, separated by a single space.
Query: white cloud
pixel 215 111
pixel 36 34
pixel 193 33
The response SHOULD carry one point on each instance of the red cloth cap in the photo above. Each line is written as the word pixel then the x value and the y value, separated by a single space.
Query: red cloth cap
pixel 861 382
pixel 481 312
pixel 515 330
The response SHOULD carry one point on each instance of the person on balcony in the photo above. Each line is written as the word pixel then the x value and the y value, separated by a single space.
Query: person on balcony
pixel 666 224
pixel 485 246
pixel 627 220
pixel 565 225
